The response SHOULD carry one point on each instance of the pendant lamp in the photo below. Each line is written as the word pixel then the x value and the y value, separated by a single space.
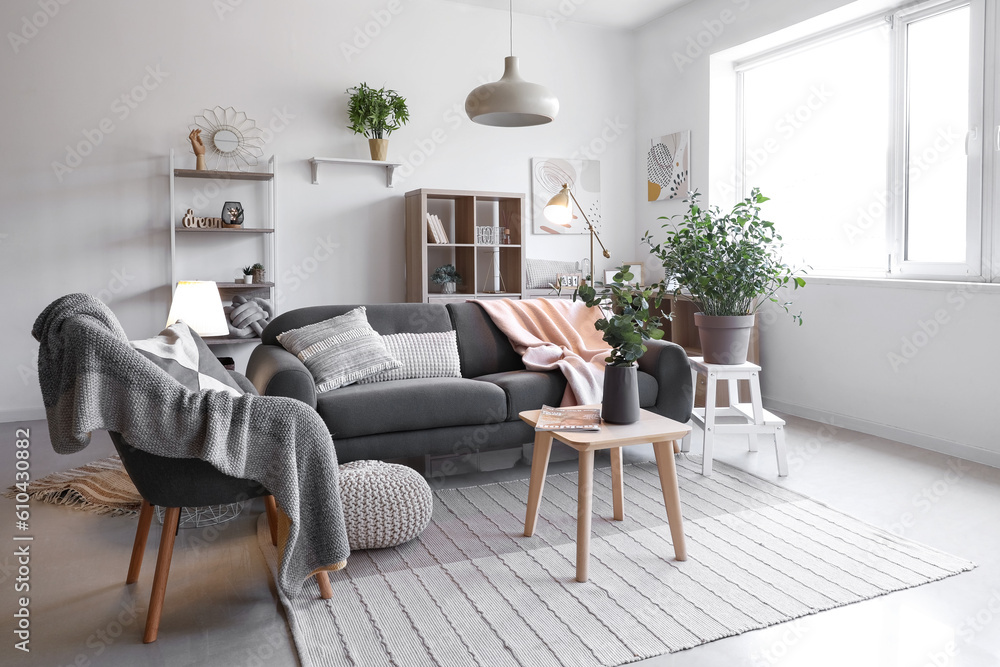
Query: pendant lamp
pixel 511 101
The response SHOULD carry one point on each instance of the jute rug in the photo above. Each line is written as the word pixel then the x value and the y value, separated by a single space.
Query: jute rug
pixel 101 487
pixel 471 590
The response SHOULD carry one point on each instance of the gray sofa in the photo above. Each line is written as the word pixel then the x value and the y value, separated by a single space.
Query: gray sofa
pixel 444 416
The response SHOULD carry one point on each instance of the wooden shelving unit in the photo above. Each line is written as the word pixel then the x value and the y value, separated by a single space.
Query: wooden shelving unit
pixel 266 220
pixel 461 211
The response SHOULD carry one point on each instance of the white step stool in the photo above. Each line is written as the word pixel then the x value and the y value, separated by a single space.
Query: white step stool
pixel 755 419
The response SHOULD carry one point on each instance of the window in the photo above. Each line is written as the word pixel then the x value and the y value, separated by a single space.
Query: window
pixel 868 140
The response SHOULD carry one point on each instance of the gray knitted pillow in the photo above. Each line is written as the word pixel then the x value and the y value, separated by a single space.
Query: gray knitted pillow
pixel 339 351
pixel 385 504
pixel 427 355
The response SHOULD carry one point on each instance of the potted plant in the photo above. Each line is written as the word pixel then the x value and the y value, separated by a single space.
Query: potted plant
pixel 247 274
pixel 447 277
pixel 375 114
pixel 630 317
pixel 730 265
pixel 258 272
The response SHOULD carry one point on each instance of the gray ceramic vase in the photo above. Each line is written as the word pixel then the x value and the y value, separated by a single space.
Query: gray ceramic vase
pixel 621 395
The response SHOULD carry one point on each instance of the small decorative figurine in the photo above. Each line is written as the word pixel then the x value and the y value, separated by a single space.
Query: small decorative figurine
pixel 199 150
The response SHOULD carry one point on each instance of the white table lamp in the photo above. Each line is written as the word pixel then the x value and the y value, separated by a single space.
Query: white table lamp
pixel 197 303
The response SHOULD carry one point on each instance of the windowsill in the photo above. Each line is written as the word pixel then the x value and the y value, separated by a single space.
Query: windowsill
pixel 903 283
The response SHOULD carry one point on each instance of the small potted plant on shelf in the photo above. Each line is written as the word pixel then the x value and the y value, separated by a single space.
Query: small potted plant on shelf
pixel 730 265
pixel 447 277
pixel 247 274
pixel 376 114
pixel 630 317
pixel 258 272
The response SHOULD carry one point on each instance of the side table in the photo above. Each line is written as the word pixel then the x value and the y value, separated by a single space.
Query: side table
pixel 651 427
pixel 753 418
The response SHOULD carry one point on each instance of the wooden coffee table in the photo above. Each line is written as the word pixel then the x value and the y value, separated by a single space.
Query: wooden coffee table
pixel 662 432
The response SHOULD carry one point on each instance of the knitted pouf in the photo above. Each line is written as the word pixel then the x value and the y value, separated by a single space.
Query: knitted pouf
pixel 384 504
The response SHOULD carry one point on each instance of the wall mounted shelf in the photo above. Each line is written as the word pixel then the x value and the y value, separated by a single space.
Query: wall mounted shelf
pixel 390 167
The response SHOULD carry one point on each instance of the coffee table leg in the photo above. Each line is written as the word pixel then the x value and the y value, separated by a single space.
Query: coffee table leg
pixel 671 495
pixel 539 466
pixel 583 513
pixel 617 488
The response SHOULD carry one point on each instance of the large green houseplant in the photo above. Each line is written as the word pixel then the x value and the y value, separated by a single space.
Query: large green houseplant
pixel 730 265
pixel 631 316
pixel 376 114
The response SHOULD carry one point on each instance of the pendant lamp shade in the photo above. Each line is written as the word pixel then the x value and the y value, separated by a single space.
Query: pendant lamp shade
pixel 511 101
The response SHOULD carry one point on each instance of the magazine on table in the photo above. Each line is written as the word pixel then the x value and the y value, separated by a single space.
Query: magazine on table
pixel 568 419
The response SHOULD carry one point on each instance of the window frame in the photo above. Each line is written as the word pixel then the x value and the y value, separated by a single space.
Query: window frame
pixel 978 265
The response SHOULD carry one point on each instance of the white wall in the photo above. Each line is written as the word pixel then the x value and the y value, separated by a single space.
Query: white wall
pixel 102 228
pixel 837 366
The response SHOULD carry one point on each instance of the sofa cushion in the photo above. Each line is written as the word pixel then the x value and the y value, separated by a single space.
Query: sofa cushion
pixel 385 318
pixel 647 389
pixel 339 351
pixel 484 349
pixel 528 390
pixel 410 405
pixel 427 355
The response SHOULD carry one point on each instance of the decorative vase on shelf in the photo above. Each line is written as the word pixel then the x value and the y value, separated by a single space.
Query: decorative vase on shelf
pixel 258 275
pixel 448 288
pixel 379 149
pixel 724 339
pixel 621 395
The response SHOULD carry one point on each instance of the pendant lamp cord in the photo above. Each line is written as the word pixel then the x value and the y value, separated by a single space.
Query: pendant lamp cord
pixel 510 6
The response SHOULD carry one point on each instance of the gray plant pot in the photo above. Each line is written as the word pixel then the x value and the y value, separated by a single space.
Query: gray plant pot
pixel 621 395
pixel 725 339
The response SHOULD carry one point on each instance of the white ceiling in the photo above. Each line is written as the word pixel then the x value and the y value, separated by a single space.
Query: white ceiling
pixel 611 13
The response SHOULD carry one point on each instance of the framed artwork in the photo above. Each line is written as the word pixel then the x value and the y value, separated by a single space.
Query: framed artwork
pixel 547 178
pixel 636 268
pixel 668 166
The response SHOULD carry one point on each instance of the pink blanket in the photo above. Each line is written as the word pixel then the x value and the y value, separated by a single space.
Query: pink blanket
pixel 552 334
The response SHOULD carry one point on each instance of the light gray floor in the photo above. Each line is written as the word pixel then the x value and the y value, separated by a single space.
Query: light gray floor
pixel 221 608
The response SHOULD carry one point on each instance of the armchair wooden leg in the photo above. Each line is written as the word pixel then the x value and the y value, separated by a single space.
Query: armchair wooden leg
pixel 325 589
pixel 272 518
pixel 139 546
pixel 170 521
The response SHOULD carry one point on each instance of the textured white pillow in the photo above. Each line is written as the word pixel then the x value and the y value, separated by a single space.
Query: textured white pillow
pixel 426 355
pixel 544 272
pixel 339 351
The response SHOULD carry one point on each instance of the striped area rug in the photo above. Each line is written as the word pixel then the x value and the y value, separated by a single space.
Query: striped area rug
pixel 471 590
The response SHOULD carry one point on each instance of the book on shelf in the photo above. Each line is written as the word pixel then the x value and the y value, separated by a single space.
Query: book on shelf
pixel 568 419
pixel 441 230
pixel 435 229
pixel 432 235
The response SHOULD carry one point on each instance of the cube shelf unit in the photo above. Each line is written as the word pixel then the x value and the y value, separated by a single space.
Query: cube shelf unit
pixel 264 228
pixel 478 264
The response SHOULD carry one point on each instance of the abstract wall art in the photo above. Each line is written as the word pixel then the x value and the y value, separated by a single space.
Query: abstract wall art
pixel 547 178
pixel 668 165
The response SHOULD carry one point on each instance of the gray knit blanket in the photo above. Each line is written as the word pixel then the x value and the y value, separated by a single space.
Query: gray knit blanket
pixel 92 379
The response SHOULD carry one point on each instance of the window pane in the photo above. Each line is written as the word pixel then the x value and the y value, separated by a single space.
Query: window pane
pixel 937 62
pixel 817 136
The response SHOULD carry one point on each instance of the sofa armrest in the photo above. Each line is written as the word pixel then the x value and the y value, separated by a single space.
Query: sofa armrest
pixel 277 372
pixel 668 363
